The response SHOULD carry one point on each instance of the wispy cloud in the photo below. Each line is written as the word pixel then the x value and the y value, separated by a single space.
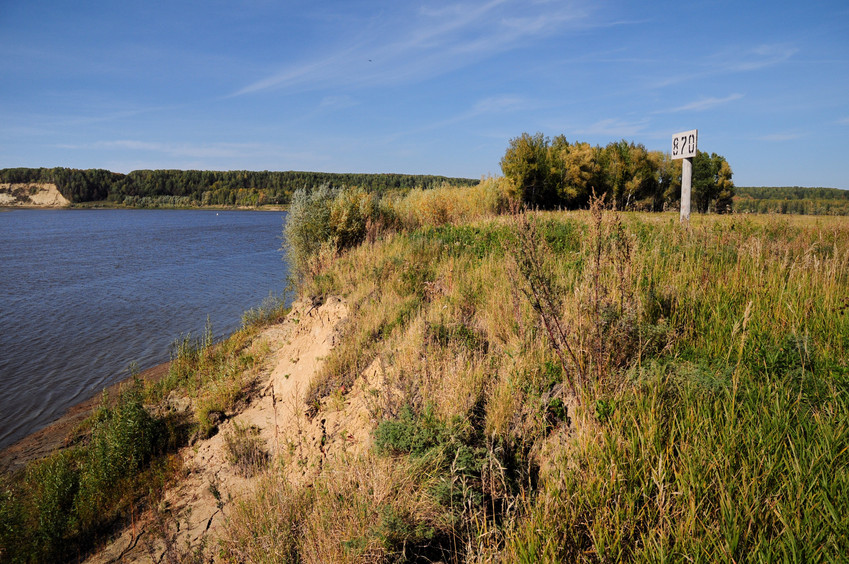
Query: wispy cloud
pixel 502 104
pixel 193 150
pixel 337 102
pixel 778 137
pixel 844 121
pixel 730 61
pixel 760 57
pixel 614 128
pixel 702 104
pixel 497 104
pixel 82 116
pixel 412 46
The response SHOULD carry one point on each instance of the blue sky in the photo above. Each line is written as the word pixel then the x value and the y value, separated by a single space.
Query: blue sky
pixel 421 87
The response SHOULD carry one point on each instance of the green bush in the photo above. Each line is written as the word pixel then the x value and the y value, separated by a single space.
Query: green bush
pixel 308 225
pixel 326 217
pixel 123 439
pixel 350 213
pixel 272 309
pixel 410 434
pixel 63 501
pixel 56 484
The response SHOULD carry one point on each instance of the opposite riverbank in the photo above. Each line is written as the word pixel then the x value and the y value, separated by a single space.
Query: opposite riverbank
pixel 34 195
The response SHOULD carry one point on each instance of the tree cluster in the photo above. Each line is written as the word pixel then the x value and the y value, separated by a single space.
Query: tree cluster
pixel 555 173
pixel 792 200
pixel 203 187
pixel 791 193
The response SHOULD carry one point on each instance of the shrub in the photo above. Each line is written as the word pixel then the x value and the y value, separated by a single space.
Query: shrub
pixel 326 217
pixel 56 484
pixel 410 434
pixel 350 213
pixel 123 440
pixel 308 225
pixel 272 309
pixel 63 502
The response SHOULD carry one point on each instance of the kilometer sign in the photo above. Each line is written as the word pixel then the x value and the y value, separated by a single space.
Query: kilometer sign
pixel 684 144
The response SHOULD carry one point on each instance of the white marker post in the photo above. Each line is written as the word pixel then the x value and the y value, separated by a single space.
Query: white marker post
pixel 684 146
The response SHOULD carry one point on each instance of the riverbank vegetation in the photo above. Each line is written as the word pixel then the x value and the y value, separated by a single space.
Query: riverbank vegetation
pixel 579 386
pixel 792 200
pixel 125 455
pixel 193 188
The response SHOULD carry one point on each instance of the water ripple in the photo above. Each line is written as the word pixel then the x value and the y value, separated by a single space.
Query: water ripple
pixel 86 293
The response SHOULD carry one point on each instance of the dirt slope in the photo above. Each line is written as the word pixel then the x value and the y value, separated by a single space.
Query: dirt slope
pixel 197 507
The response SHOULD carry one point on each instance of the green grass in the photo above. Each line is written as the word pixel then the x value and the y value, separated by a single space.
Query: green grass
pixel 711 423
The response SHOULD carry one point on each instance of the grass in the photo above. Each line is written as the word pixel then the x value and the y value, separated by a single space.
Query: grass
pixel 245 450
pixel 700 415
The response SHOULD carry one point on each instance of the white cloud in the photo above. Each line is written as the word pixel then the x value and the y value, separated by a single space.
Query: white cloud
pixel 337 102
pixel 408 46
pixel 193 150
pixel 778 137
pixel 703 104
pixel 491 105
pixel 763 56
pixel 614 128
pixel 504 103
pixel 844 121
pixel 733 61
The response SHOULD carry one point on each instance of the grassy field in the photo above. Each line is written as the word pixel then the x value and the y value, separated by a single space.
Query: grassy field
pixel 590 386
pixel 586 386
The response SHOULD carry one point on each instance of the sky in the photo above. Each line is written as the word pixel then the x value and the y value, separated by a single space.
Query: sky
pixel 425 87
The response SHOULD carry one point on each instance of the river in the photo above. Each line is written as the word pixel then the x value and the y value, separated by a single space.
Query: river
pixel 84 294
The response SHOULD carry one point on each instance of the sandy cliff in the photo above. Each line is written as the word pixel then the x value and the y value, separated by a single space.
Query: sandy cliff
pixel 32 195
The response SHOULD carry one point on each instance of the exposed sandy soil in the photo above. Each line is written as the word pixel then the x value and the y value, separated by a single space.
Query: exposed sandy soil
pixel 32 195
pixel 197 506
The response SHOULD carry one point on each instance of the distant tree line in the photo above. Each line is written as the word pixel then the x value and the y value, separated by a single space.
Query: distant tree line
pixel 555 173
pixel 792 199
pixel 149 188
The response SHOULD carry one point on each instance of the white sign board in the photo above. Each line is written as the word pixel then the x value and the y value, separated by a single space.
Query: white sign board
pixel 685 144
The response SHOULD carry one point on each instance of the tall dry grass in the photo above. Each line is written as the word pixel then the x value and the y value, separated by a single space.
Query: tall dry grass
pixel 710 422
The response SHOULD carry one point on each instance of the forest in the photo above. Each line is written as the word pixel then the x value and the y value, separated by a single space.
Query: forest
pixel 184 188
pixel 791 200
pixel 554 173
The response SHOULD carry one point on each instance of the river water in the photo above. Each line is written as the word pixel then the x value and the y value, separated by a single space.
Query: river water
pixel 86 293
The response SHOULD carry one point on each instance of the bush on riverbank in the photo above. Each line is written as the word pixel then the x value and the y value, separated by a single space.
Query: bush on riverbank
pixel 324 222
pixel 69 498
